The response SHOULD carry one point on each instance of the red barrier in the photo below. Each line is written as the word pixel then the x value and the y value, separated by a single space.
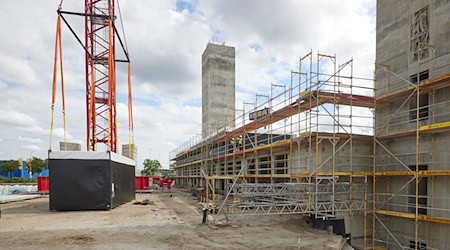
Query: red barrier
pixel 42 183
pixel 141 182
pixel 145 182
pixel 138 183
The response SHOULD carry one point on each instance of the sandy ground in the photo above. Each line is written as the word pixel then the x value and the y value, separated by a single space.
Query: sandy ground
pixel 170 223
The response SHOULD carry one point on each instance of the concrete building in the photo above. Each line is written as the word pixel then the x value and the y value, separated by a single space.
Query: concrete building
pixel 411 201
pixel 218 88
pixel 129 150
pixel 303 157
pixel 69 146
pixel 311 155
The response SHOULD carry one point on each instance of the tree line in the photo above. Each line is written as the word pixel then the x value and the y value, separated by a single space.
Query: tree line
pixel 35 165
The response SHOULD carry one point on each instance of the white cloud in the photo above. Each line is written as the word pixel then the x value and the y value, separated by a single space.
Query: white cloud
pixel 165 48
pixel 32 147
pixel 15 118
pixel 29 139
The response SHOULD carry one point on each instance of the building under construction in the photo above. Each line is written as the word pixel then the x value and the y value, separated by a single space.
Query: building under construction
pixel 410 205
pixel 372 153
pixel 306 149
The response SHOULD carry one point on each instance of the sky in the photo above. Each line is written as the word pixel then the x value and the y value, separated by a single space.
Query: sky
pixel 166 39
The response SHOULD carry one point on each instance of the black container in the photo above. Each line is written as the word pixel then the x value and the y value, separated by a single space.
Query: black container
pixel 319 222
pixel 323 222
pixel 338 227
pixel 90 180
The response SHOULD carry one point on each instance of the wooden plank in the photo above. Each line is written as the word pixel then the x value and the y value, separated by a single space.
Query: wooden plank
pixel 436 127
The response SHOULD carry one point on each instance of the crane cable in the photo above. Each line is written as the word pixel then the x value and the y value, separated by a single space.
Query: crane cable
pixel 130 93
pixel 62 89
pixel 58 48
pixel 91 114
pixel 130 115
pixel 123 29
pixel 110 82
pixel 112 122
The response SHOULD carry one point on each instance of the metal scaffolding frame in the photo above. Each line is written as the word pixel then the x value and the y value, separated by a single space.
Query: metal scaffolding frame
pixel 411 114
pixel 300 158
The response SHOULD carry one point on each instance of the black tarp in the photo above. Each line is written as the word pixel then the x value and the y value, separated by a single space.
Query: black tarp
pixel 322 223
pixel 125 189
pixel 90 180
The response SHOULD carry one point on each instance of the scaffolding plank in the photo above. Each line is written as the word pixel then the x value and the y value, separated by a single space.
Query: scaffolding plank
pixel 220 177
pixel 188 164
pixel 434 219
pixel 431 128
pixel 396 214
pixel 188 176
pixel 436 127
pixel 438 82
pixel 395 95
pixel 410 173
pixel 395 173
pixel 413 216
pixel 306 101
pixel 434 172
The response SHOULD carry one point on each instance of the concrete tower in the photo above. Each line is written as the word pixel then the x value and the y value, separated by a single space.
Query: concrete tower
pixel 218 88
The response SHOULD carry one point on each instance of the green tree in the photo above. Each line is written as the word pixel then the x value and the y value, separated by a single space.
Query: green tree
pixel 36 165
pixel 151 167
pixel 8 166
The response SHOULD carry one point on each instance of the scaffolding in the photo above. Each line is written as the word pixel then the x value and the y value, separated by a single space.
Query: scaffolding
pixel 291 161
pixel 306 148
pixel 410 205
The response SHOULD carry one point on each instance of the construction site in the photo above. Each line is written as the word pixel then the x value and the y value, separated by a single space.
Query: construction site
pixel 370 156
pixel 327 160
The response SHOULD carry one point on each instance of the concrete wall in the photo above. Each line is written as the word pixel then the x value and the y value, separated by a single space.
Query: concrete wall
pixel 129 151
pixel 360 158
pixel 69 146
pixel 394 41
pixel 218 88
pixel 395 47
pixel 433 235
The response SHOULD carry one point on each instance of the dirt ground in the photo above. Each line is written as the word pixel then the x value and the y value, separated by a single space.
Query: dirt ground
pixel 167 223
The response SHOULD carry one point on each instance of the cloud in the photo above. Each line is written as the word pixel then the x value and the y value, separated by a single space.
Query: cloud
pixel 32 147
pixel 165 46
pixel 15 118
pixel 166 39
pixel 288 30
pixel 29 139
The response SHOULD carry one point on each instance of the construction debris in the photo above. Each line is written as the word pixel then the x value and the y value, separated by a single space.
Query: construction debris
pixel 144 202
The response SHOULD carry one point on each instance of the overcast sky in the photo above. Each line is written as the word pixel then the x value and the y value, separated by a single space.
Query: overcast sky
pixel 166 39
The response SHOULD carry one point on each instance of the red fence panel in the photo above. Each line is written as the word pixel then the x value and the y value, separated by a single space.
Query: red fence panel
pixel 42 183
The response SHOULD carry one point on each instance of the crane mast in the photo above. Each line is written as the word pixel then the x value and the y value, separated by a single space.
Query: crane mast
pixel 100 74
pixel 100 33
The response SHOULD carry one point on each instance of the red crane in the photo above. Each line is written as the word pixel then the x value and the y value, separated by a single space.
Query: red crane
pixel 100 65
pixel 100 74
